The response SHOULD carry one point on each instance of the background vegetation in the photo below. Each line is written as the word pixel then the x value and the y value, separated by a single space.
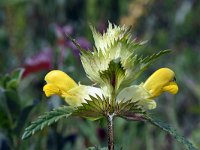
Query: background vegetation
pixel 32 37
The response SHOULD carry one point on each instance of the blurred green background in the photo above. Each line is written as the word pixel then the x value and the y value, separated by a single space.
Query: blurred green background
pixel 32 37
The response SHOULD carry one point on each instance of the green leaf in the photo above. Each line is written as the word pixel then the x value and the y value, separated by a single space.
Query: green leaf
pixel 47 119
pixel 139 65
pixel 144 63
pixel 130 110
pixel 23 116
pixel 75 42
pixel 17 73
pixel 97 108
pixel 113 75
pixel 92 62
pixel 11 81
pixel 115 44
pixel 3 80
pixel 15 76
pixel 170 130
pixel 13 103
pixel 151 58
pixel 113 33
pixel 5 115
pixel 94 109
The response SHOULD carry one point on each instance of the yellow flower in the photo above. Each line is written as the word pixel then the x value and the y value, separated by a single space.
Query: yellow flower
pixel 59 83
pixel 162 80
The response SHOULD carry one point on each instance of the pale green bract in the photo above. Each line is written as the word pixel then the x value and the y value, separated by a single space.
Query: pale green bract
pixel 115 44
pixel 137 93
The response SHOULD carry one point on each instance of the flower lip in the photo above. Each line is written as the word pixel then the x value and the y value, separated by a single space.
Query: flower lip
pixel 50 89
pixel 61 80
pixel 172 88
pixel 58 83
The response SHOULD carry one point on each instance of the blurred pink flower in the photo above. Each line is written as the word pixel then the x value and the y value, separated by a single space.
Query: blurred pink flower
pixel 60 33
pixel 39 62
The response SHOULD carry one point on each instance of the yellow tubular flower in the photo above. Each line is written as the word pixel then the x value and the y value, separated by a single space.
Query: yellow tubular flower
pixel 59 83
pixel 161 81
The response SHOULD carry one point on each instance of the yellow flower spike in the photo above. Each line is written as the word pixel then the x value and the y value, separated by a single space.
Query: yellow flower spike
pixel 161 81
pixel 58 83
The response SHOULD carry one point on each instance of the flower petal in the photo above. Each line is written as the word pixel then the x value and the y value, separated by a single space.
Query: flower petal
pixel 60 80
pixel 51 89
pixel 172 88
pixel 147 104
pixel 135 92
pixel 79 94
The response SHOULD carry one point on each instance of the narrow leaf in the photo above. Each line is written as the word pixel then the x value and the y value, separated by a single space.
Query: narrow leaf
pixel 154 56
pixel 130 111
pixel 47 119
pixel 75 42
pixel 94 109
pixel 144 63
pixel 114 74
pixel 173 132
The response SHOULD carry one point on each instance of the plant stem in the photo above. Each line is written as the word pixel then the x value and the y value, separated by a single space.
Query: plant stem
pixel 110 132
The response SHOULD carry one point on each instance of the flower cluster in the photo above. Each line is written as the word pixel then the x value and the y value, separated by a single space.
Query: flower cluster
pixel 113 65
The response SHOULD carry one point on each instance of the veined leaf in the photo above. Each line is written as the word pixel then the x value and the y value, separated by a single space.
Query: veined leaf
pixel 151 58
pixel 112 34
pixel 170 130
pixel 140 64
pixel 47 119
pixel 114 74
pixel 94 109
pixel 97 108
pixel 130 110
pixel 144 63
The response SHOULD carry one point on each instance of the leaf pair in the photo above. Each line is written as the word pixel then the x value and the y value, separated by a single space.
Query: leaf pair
pixel 131 112
pixel 47 119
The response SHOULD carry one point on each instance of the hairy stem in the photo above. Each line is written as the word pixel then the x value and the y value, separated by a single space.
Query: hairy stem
pixel 110 131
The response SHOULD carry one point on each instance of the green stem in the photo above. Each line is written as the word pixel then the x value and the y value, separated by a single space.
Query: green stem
pixel 110 132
